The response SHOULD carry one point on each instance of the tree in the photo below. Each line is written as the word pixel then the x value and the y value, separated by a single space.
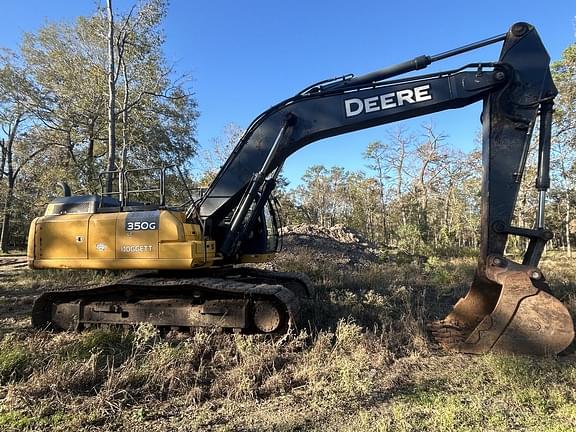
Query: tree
pixel 15 108
pixel 431 160
pixel 321 198
pixel 564 141
pixel 69 64
pixel 212 159
pixel 376 154
pixel 57 111
pixel 365 213
pixel 112 77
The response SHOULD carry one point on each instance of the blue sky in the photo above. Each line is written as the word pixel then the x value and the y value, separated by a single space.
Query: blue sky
pixel 247 55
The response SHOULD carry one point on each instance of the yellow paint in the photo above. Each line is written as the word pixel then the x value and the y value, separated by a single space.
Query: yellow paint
pixel 116 264
pixel 102 241
pixel 62 236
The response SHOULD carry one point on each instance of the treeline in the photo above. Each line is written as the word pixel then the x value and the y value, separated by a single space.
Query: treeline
pixel 54 96
pixel 417 194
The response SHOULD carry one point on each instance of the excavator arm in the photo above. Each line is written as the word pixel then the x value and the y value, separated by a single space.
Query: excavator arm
pixel 516 91
pixel 512 89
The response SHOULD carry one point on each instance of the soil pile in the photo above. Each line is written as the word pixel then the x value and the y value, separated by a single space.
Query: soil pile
pixel 338 243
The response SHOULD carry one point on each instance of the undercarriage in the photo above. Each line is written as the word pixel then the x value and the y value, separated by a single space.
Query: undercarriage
pixel 243 300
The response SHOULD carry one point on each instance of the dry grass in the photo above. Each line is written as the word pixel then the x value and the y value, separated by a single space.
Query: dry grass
pixel 362 361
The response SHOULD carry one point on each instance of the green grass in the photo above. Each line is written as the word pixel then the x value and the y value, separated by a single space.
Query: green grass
pixel 14 360
pixel 495 393
pixel 17 420
pixel 113 345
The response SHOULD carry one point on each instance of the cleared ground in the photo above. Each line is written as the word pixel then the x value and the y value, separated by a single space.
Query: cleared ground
pixel 362 362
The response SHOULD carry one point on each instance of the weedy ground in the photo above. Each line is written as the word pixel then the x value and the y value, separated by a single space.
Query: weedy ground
pixel 362 362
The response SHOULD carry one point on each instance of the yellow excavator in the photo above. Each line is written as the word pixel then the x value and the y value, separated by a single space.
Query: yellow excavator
pixel 192 252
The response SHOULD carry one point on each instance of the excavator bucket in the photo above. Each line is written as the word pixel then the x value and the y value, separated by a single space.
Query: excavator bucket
pixel 515 315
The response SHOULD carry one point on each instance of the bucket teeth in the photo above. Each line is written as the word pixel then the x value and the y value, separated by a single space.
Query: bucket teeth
pixel 448 334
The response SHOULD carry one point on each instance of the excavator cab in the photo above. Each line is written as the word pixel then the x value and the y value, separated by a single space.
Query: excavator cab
pixel 262 239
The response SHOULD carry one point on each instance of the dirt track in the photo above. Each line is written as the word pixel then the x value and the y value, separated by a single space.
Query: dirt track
pixel 13 262
pixel 15 300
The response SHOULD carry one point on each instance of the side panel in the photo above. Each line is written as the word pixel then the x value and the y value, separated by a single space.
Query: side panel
pixel 62 236
pixel 137 235
pixel 146 240
pixel 102 236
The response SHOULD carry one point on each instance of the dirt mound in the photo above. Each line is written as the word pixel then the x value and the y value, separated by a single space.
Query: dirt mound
pixel 338 243
pixel 339 233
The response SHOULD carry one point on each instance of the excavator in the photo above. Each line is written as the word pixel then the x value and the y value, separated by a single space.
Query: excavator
pixel 190 256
